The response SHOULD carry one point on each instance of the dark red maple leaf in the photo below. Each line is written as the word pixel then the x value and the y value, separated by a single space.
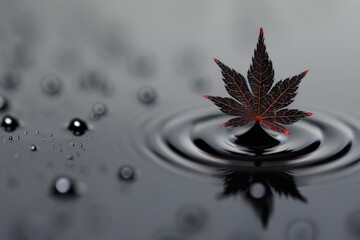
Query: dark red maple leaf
pixel 257 99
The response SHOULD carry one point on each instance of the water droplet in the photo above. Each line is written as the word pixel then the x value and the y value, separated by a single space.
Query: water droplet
pixel 18 137
pixel 77 126
pixel 72 144
pixel 4 104
pixel 257 190
pixel 10 79
pixel 147 95
pixel 37 132
pixel 51 84
pixel 69 156
pixel 11 138
pixel 9 123
pixel 126 173
pixel 301 231
pixel 26 132
pixel 64 187
pixel 17 156
pixel 191 218
pixel 100 109
pixel 33 148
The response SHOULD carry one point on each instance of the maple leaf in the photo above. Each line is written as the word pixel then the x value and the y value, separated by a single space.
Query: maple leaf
pixel 257 99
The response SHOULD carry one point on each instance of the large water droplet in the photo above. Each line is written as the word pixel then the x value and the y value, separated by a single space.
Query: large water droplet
pixel 77 126
pixel 64 187
pixel 9 123
pixel 147 95
pixel 257 190
pixel 51 84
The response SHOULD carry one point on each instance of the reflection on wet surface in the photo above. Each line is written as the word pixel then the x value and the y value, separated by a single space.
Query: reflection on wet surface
pixel 101 105
pixel 259 187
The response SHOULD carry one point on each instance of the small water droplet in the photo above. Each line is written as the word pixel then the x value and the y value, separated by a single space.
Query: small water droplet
pixel 17 156
pixel 33 148
pixel 11 138
pixel 64 187
pixel 9 123
pixel 51 84
pixel 147 95
pixel 126 173
pixel 4 104
pixel 26 132
pixel 77 126
pixel 18 137
pixel 100 109
pixel 69 156
pixel 37 132
pixel 72 144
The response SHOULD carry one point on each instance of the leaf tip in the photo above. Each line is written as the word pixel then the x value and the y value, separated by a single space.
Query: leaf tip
pixel 306 71
pixel 261 30
pixel 206 96
pixel 286 132
pixel 309 114
pixel 216 60
pixel 223 125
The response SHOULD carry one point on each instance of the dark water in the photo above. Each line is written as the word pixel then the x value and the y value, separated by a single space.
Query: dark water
pixel 104 134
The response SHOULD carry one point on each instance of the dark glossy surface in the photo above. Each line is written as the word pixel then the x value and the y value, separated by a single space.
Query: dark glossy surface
pixel 153 162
